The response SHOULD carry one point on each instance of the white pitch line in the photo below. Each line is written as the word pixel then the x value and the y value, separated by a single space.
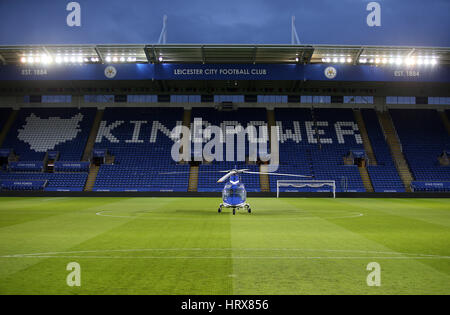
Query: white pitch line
pixel 238 257
pixel 366 252
pixel 102 214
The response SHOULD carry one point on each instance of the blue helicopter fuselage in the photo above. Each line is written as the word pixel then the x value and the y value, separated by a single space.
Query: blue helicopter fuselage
pixel 234 193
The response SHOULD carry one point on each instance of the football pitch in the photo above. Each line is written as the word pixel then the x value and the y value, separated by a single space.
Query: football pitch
pixel 183 246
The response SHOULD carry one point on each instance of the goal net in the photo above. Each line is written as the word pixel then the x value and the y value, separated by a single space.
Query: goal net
pixel 298 185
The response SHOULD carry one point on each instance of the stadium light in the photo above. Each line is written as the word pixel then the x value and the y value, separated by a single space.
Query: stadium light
pixel 391 61
pixel 108 58
pixel 114 59
pixel 335 60
pixel 434 61
pixel 384 60
pixel 328 59
pixel 160 59
pixel 23 60
pixel 46 59
pixel 122 59
pixel 410 61
pixel 342 60
pixel 377 60
pixel 426 61
pixel 362 60
pixel 80 59
pixel 30 59
pixel 349 60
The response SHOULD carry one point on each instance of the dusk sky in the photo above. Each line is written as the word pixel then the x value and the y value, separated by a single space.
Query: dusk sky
pixel 403 22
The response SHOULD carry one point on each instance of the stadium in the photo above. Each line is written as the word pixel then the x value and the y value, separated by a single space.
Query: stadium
pixel 344 159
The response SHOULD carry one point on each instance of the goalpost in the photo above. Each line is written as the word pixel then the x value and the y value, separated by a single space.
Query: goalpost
pixel 306 183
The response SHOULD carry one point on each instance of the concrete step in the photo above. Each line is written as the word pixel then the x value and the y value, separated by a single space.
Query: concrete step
pixel 90 182
pixel 394 144
pixel 193 178
pixel 264 179
pixel 365 137
pixel 93 135
pixel 366 179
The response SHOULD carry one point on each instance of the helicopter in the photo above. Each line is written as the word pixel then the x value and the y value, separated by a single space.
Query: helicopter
pixel 234 194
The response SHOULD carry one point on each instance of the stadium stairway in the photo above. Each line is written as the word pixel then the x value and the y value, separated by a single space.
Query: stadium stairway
pixel 4 132
pixel 394 144
pixel 365 137
pixel 193 170
pixel 93 135
pixel 445 121
pixel 366 179
pixel 193 178
pixel 187 124
pixel 90 182
pixel 264 178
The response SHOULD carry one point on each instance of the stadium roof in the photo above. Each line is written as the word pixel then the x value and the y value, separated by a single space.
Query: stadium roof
pixel 258 54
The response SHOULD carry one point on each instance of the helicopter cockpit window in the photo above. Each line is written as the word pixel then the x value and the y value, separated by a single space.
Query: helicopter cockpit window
pixel 234 192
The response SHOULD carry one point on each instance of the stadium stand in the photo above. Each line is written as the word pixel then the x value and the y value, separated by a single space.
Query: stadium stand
pixel 208 175
pixel 39 130
pixel 384 175
pixel 139 139
pixel 302 151
pixel 56 182
pixel 423 139
pixel 33 134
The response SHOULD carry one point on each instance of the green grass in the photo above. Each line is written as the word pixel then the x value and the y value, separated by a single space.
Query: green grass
pixel 183 246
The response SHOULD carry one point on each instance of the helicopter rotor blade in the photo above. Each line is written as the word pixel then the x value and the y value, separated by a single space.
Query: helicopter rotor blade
pixel 225 177
pixel 175 173
pixel 278 174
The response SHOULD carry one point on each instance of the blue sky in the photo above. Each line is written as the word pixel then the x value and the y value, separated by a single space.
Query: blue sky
pixel 403 22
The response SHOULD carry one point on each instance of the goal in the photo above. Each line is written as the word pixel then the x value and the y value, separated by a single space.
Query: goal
pixel 330 184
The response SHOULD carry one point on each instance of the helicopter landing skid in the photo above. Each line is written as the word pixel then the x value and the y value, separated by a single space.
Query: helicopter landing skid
pixel 241 206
